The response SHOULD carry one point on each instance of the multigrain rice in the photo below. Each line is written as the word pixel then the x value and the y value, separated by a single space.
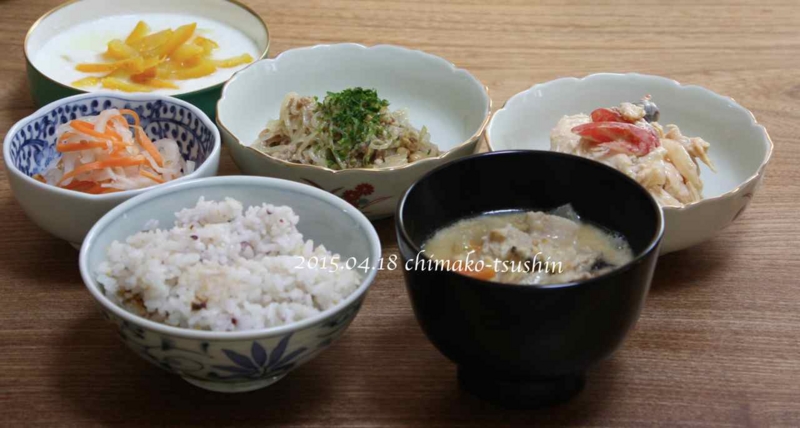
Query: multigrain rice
pixel 224 268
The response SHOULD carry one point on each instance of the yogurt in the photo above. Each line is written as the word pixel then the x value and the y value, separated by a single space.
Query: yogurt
pixel 86 43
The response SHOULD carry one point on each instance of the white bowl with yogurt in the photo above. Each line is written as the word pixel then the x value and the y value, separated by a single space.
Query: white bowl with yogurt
pixel 78 32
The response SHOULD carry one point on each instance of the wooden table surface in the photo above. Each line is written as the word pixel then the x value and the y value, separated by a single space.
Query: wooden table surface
pixel 717 344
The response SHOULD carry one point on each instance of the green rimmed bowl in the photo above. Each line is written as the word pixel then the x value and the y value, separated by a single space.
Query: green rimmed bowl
pixel 46 89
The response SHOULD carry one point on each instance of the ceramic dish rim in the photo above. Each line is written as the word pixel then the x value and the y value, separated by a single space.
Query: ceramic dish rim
pixel 215 86
pixel 229 181
pixel 138 97
pixel 477 135
pixel 686 207
pixel 653 245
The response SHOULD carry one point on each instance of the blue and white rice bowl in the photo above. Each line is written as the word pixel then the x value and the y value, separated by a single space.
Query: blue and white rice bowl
pixel 30 147
pixel 245 359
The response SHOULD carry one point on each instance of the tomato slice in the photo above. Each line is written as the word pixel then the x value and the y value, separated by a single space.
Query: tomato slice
pixel 621 137
pixel 607 115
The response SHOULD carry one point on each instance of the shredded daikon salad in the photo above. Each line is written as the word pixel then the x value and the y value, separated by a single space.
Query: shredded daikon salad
pixel 353 128
pixel 104 154
pixel 147 61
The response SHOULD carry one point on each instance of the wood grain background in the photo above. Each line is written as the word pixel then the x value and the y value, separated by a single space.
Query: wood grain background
pixel 718 343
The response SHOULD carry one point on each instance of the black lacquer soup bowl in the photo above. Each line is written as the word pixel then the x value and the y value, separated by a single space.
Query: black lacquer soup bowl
pixel 525 345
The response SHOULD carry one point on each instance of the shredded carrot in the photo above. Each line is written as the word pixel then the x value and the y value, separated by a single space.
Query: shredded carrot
pixel 108 163
pixel 95 189
pixel 150 175
pixel 111 132
pixel 88 128
pixel 121 120
pixel 83 145
pixel 485 274
pixel 99 162
pixel 80 186
pixel 118 150
pixel 132 114
pixel 148 145
pixel 99 188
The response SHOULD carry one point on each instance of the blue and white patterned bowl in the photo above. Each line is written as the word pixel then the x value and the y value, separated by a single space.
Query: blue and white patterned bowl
pixel 245 360
pixel 30 146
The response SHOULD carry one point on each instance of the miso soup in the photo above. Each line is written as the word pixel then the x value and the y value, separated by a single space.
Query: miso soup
pixel 528 247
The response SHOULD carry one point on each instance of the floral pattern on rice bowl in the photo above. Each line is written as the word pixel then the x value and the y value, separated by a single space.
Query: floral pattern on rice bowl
pixel 239 365
pixel 357 196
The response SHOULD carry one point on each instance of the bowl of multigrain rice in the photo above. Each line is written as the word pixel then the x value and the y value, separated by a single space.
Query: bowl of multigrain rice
pixel 231 282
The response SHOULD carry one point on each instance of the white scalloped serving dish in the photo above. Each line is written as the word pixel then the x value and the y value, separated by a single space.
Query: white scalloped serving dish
pixel 449 101
pixel 740 147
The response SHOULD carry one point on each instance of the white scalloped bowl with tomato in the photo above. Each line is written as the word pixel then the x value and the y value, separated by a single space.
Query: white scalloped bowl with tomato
pixel 740 148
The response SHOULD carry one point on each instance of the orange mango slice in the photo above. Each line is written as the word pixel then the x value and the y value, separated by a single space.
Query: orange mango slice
pixel 121 85
pixel 117 49
pixel 203 68
pixel 138 33
pixel 145 61
pixel 177 38
pixel 235 61
pixel 87 82
pixel 208 45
